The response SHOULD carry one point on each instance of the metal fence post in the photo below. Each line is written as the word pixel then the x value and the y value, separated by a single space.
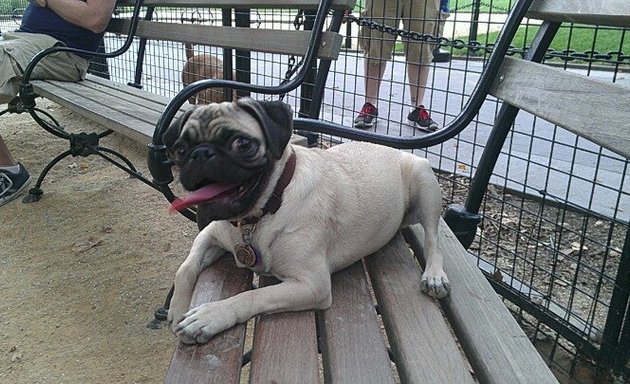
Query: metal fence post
pixel 142 46
pixel 474 21
pixel 614 350
pixel 243 59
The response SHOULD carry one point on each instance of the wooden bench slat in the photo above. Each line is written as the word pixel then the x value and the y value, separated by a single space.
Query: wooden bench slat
pixel 550 93
pixel 353 348
pixel 609 12
pixel 132 105
pixel 137 96
pixel 149 109
pixel 244 4
pixel 142 99
pixel 101 102
pixel 415 326
pixel 496 346
pixel 132 111
pixel 127 124
pixel 145 110
pixel 218 361
pixel 285 347
pixel 288 42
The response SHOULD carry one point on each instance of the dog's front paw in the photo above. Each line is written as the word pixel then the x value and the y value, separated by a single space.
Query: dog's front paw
pixel 435 284
pixel 200 324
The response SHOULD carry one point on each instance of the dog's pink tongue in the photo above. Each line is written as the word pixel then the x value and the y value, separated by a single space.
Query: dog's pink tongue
pixel 200 195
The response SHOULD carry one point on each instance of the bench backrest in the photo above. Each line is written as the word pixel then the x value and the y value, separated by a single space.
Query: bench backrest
pixel 243 29
pixel 268 38
pixel 590 108
pixel 595 109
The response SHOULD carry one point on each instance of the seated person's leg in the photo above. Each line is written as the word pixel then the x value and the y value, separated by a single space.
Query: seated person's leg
pixel 14 178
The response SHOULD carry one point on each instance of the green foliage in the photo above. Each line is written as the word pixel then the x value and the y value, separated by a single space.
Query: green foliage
pixel 7 6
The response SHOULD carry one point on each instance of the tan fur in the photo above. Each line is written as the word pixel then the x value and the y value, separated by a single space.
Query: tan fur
pixel 342 204
pixel 199 67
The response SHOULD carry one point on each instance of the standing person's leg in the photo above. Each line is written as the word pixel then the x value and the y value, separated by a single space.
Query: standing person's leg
pixel 377 47
pixel 374 71
pixel 440 55
pixel 418 75
pixel 421 17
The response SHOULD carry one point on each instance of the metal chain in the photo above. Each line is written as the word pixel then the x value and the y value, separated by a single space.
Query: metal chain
pixel 198 19
pixel 489 5
pixel 211 19
pixel 613 57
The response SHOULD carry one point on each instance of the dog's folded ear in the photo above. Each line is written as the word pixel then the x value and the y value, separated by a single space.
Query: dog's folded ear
pixel 275 119
pixel 170 136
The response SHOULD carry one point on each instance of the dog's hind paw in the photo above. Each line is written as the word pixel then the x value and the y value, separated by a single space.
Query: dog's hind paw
pixel 435 284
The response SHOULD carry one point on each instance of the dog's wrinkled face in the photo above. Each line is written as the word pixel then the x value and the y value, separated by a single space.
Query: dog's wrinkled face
pixel 226 153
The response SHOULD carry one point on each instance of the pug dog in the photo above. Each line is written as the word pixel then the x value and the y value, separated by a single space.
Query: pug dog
pixel 295 213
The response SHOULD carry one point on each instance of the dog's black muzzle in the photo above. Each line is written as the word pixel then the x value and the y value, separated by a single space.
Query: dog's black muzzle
pixel 202 153
pixel 206 164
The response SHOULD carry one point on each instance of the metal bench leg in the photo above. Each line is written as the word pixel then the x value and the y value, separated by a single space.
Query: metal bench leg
pixel 82 144
pixel 129 168
pixel 161 313
pixel 86 144
pixel 35 193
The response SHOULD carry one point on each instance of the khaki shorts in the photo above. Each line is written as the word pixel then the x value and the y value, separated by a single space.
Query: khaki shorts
pixel 16 51
pixel 416 15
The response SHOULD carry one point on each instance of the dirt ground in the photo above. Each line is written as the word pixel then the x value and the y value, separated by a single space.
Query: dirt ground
pixel 82 271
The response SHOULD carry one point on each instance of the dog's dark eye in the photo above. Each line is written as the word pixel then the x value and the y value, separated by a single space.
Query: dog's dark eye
pixel 244 146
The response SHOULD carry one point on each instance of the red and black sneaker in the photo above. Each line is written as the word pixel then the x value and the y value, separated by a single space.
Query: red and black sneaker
pixel 422 118
pixel 367 117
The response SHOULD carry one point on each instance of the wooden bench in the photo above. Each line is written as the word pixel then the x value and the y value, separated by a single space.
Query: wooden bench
pixel 379 329
pixel 132 112
pixel 467 337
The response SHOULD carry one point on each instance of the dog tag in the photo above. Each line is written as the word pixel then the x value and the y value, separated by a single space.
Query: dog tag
pixel 246 255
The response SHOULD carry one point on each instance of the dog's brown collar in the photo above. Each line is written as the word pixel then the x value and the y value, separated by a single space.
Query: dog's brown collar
pixel 275 200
